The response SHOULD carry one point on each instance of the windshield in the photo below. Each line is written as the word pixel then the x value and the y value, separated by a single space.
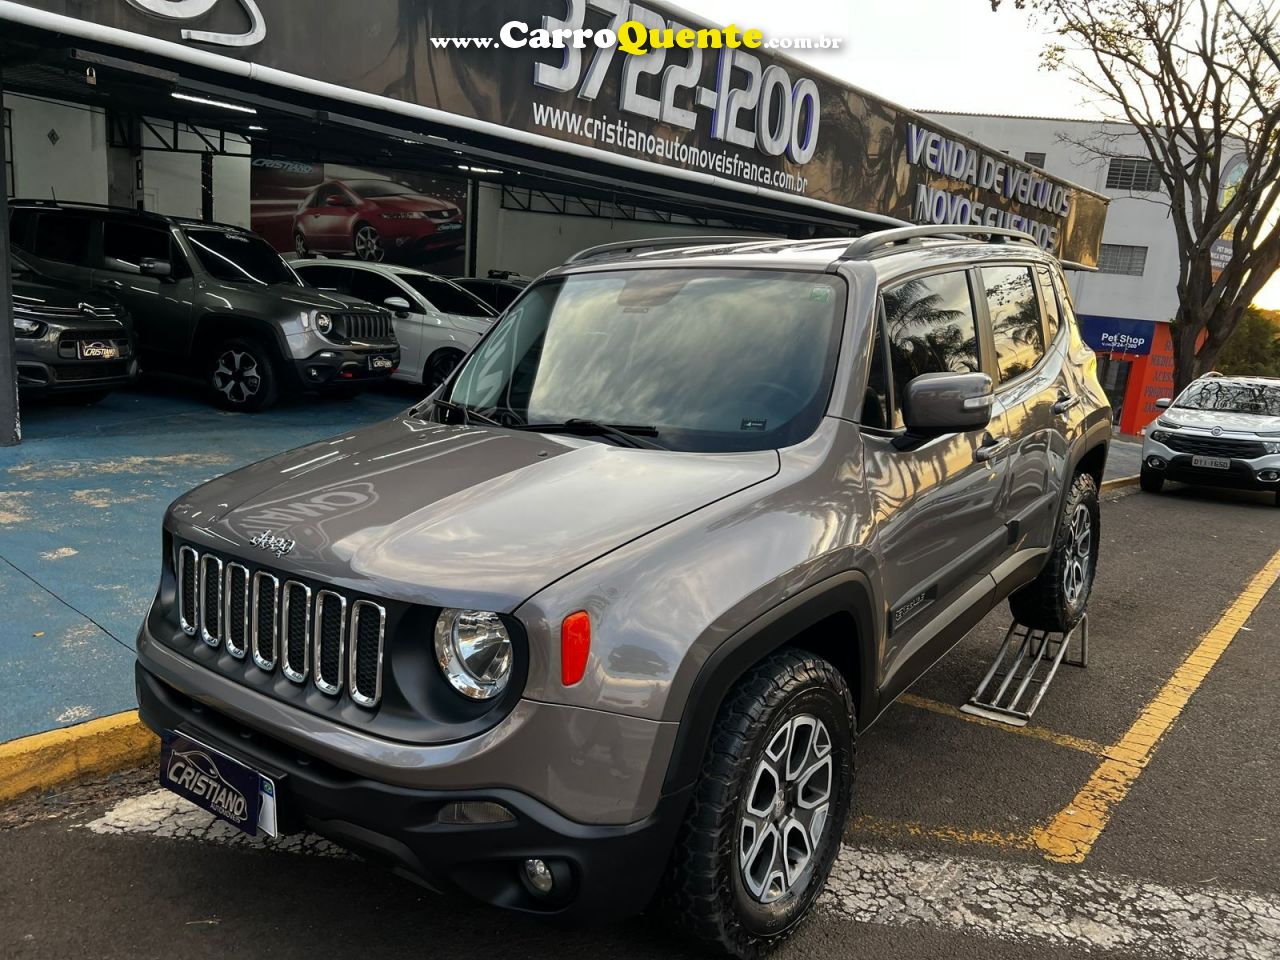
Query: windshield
pixel 379 188
pixel 713 360
pixel 447 297
pixel 1232 396
pixel 239 257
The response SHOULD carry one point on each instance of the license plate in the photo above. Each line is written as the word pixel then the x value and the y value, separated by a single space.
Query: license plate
pixel 227 788
pixel 444 227
pixel 381 363
pixel 1211 463
pixel 97 351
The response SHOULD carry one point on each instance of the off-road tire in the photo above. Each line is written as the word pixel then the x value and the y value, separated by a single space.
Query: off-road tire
pixel 250 398
pixel 1044 604
pixel 704 893
pixel 1150 480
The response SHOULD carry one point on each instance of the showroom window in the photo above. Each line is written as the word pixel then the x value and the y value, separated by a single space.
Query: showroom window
pixel 1015 319
pixel 10 182
pixel 932 329
pixel 1133 173
pixel 1033 158
pixel 1122 259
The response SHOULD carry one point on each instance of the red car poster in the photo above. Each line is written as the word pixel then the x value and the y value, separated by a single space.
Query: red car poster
pixel 374 214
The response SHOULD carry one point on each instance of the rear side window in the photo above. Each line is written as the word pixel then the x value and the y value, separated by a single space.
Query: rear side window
pixel 1052 314
pixel 932 328
pixel 19 227
pixel 1015 319
pixel 63 237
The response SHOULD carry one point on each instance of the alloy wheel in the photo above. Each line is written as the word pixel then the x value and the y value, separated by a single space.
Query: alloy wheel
pixel 1075 577
pixel 236 376
pixel 785 809
pixel 369 245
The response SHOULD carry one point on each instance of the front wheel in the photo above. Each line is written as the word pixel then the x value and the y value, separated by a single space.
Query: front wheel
pixel 367 244
pixel 242 376
pixel 438 367
pixel 1055 600
pixel 765 821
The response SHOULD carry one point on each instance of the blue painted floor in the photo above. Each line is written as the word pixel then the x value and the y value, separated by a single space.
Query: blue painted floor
pixel 81 501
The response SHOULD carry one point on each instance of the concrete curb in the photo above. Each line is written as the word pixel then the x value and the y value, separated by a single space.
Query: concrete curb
pixel 48 760
pixel 1119 483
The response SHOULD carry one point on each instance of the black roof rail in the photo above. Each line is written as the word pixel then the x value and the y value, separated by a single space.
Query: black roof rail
pixel 662 243
pixel 866 245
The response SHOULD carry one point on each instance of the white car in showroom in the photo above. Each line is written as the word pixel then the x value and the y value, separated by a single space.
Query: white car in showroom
pixel 436 321
pixel 1220 432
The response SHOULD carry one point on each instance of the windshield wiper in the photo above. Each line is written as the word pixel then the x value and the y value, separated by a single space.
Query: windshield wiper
pixel 468 413
pixel 625 434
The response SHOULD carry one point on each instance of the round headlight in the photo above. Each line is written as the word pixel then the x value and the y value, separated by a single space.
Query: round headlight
pixel 324 322
pixel 473 649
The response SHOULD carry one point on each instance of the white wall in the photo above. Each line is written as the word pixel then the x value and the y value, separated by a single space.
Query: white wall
pixel 530 243
pixel 171 181
pixel 1136 219
pixel 73 168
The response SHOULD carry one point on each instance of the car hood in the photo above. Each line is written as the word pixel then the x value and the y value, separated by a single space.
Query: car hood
pixel 46 293
pixel 454 516
pixel 409 202
pixel 290 296
pixel 1229 422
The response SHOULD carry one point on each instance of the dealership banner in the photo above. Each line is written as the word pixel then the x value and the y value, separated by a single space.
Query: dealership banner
pixel 735 111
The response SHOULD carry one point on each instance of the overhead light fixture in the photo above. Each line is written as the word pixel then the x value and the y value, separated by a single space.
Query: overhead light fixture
pixel 463 166
pixel 254 126
pixel 192 98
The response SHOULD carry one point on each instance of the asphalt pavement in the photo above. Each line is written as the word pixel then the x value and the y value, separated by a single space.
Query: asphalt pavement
pixel 941 855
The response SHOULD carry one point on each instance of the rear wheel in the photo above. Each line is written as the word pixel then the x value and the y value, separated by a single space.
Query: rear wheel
pixel 1150 480
pixel 765 820
pixel 367 243
pixel 439 365
pixel 1056 599
pixel 242 376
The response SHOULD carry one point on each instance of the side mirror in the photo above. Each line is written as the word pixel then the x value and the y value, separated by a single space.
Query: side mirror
pixel 399 305
pixel 1164 403
pixel 937 403
pixel 336 200
pixel 150 267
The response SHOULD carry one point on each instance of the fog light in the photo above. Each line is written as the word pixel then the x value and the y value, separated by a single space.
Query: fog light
pixel 1269 476
pixel 464 812
pixel 1156 463
pixel 539 876
pixel 313 373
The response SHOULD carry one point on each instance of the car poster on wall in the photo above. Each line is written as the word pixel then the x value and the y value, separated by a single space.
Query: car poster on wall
pixel 324 209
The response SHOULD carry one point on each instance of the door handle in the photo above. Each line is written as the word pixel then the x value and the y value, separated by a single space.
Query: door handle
pixel 112 284
pixel 1065 403
pixel 991 448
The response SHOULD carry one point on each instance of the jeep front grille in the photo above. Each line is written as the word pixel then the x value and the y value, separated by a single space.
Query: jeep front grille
pixel 1215 446
pixel 364 327
pixel 322 636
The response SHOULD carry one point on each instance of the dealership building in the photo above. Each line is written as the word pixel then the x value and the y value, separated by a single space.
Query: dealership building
pixel 253 112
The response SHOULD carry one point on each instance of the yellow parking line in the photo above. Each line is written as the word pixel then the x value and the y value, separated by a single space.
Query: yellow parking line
pixel 1070 835
pixel 1036 733
pixel 881 827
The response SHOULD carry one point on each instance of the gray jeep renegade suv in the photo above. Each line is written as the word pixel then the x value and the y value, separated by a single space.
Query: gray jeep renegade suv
pixel 212 301
pixel 601 618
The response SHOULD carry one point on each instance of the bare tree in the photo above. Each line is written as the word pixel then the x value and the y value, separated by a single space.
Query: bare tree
pixel 1200 80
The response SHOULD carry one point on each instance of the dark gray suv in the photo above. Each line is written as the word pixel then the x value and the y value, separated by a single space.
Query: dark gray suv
pixel 211 301
pixel 601 618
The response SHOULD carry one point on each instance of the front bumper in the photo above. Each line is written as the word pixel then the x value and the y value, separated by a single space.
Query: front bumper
pixel 337 365
pixel 1252 474
pixel 45 377
pixel 612 870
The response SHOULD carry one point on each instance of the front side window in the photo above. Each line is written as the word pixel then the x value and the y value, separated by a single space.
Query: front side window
pixel 932 328
pixel 125 245
pixel 239 257
pixel 1231 396
pixel 374 287
pixel 1015 319
pixel 708 360
pixel 325 277
pixel 447 297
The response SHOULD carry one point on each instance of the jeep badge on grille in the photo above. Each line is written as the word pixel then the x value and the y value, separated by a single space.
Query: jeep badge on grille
pixel 278 545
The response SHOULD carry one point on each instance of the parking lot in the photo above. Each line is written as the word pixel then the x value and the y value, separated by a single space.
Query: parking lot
pixel 1138 815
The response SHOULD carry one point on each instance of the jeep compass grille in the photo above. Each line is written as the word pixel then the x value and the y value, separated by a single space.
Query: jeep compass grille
pixel 319 637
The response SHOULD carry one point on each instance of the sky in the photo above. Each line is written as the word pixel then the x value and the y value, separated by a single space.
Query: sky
pixel 927 55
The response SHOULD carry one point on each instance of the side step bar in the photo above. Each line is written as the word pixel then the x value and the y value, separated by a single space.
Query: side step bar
pixel 1034 665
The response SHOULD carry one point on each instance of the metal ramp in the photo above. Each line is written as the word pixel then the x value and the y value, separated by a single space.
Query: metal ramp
pixel 1037 654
